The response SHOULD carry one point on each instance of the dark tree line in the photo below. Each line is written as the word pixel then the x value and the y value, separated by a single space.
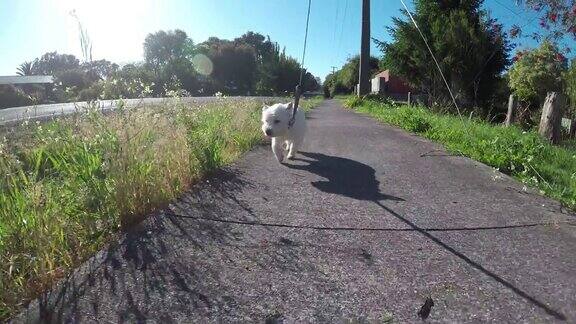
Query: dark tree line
pixel 173 64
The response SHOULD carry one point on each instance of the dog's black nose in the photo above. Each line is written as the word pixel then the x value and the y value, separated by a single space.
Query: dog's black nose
pixel 268 132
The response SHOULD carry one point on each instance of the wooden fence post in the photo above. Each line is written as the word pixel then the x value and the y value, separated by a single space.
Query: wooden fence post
pixel 551 120
pixel 511 115
pixel 409 99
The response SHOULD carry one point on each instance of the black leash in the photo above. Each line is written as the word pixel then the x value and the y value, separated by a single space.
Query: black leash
pixel 362 229
pixel 297 91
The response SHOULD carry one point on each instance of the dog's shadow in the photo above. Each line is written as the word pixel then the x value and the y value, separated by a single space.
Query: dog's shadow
pixel 358 181
pixel 343 176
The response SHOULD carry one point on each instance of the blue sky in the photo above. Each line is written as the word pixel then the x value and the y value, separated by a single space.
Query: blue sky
pixel 118 27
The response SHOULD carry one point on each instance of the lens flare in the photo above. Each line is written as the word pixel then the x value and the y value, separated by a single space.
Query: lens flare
pixel 202 64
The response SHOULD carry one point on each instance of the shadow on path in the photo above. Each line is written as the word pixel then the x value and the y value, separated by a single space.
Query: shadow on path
pixel 344 177
pixel 137 275
pixel 357 180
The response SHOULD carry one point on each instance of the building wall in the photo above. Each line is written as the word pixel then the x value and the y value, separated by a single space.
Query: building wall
pixel 376 85
pixel 397 85
pixel 384 82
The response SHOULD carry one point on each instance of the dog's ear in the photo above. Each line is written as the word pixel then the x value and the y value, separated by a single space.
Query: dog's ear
pixel 264 107
pixel 289 105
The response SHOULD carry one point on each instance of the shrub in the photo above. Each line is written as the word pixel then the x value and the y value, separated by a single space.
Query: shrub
pixel 10 96
pixel 118 87
pixel 537 72
pixel 412 120
pixel 353 102
pixel 94 92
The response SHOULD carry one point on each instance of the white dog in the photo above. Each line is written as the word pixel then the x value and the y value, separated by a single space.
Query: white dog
pixel 275 124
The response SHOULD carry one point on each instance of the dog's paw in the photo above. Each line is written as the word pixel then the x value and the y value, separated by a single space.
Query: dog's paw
pixel 291 156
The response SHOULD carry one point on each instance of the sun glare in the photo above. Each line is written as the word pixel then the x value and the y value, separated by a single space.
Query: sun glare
pixel 202 64
pixel 116 28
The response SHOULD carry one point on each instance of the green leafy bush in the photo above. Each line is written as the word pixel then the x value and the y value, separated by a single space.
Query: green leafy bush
pixel 537 72
pixel 413 121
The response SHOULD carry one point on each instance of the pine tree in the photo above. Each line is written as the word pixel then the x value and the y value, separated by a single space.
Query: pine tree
pixel 471 49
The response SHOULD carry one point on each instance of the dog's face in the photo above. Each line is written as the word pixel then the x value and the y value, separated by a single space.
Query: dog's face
pixel 275 119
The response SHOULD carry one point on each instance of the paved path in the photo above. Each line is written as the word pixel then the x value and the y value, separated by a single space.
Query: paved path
pixel 368 225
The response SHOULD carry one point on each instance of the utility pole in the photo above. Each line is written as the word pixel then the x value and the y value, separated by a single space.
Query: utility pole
pixel 333 69
pixel 364 75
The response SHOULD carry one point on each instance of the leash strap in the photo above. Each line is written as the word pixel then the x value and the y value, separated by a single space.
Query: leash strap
pixel 295 108
pixel 297 90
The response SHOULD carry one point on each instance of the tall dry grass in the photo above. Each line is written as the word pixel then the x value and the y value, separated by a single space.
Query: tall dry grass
pixel 67 185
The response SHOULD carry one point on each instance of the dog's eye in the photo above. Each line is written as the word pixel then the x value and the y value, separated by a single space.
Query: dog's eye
pixel 276 121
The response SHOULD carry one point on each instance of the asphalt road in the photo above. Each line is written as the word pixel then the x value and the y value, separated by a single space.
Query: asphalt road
pixel 10 115
pixel 370 224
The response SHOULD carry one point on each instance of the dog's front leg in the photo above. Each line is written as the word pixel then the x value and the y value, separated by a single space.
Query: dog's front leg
pixel 278 149
pixel 292 149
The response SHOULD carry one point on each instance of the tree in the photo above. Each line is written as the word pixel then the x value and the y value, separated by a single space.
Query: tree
pixel 471 48
pixel 168 55
pixel 345 79
pixel 557 17
pixel 287 74
pixel 161 48
pixel 69 77
pixel 26 68
pixel 348 75
pixel 132 81
pixel 263 47
pixel 536 72
pixel 279 73
pixel 53 63
pixel 249 64
pixel 99 70
pixel 570 80
pixel 332 85
pixel 234 66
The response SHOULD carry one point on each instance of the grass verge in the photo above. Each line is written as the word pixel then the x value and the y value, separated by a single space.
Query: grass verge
pixel 67 185
pixel 523 155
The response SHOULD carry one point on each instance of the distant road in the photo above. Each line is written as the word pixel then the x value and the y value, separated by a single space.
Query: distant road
pixel 9 115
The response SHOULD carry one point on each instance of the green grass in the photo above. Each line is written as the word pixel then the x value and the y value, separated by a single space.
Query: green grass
pixel 67 185
pixel 523 155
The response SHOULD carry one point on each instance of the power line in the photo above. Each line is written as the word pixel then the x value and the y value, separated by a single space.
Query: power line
pixel 529 22
pixel 508 8
pixel 516 13
pixel 334 33
pixel 305 41
pixel 343 23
